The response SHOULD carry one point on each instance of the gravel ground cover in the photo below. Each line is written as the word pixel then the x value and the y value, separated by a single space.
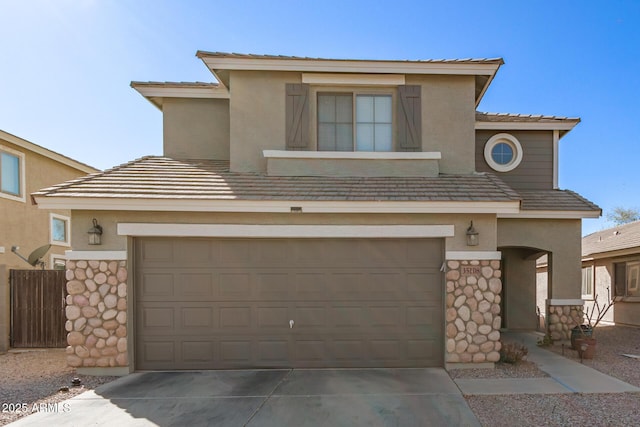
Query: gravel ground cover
pixel 36 377
pixel 613 342
pixel 612 409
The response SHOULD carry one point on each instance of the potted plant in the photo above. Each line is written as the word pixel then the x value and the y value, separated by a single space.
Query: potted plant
pixel 584 341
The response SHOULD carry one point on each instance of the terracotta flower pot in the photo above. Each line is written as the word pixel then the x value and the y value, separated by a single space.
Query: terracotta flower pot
pixel 586 347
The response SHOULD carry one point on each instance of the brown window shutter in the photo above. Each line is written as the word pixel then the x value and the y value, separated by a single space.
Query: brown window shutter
pixel 409 118
pixel 297 116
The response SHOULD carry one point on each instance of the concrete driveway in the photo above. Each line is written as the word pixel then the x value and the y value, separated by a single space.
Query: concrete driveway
pixel 300 397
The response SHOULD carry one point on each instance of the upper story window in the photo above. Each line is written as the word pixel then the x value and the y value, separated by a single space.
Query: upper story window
pixel 11 174
pixel 503 152
pixel 373 129
pixel 368 119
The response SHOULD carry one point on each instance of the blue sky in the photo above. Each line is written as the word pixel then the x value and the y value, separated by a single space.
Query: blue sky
pixel 67 64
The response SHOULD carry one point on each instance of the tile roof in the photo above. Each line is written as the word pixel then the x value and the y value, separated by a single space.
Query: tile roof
pixel 165 178
pixel 555 200
pixel 626 236
pixel 201 54
pixel 511 117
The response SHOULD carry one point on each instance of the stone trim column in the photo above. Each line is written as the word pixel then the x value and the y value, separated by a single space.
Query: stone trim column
pixel 473 311
pixel 562 318
pixel 97 313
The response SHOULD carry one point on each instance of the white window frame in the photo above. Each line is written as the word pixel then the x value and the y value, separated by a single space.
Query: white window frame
pixel 67 220
pixel 354 92
pixel 591 269
pixel 23 182
pixel 503 138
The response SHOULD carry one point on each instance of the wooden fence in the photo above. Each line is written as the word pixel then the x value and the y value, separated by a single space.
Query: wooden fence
pixel 38 308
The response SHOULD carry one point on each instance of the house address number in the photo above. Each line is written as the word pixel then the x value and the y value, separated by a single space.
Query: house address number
pixel 470 271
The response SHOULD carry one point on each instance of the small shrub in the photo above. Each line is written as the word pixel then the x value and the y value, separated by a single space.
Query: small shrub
pixel 513 352
pixel 545 341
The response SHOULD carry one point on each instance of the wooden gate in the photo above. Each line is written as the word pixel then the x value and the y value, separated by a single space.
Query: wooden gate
pixel 38 308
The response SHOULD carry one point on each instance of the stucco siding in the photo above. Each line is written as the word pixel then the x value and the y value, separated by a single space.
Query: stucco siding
pixel 535 172
pixel 257 120
pixel 519 289
pixel 560 237
pixel 196 128
pixel 23 224
pixel 485 224
pixel 448 119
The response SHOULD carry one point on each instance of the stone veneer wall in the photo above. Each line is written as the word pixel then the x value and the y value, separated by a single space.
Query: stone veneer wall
pixel 97 313
pixel 473 311
pixel 562 318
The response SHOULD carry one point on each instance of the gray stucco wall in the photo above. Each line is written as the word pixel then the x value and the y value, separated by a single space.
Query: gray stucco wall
pixel 196 128
pixel 561 237
pixel 519 289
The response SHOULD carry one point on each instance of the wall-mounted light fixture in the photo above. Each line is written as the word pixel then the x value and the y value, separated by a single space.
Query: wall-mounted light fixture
pixel 95 233
pixel 472 236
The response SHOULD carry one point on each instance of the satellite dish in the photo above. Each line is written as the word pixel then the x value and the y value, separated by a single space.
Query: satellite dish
pixel 35 257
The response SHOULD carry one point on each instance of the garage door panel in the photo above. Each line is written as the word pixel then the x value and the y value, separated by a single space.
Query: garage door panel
pixel 234 285
pixel 354 303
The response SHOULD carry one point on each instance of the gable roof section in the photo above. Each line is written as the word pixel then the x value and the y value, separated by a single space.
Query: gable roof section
pixel 161 183
pixel 484 69
pixel 35 148
pixel 619 238
pixel 155 92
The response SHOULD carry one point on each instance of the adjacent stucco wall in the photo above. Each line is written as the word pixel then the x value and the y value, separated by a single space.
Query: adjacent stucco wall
pixel 23 224
pixel 196 128
pixel 535 172
pixel 257 120
pixel 448 120
pixel 485 224
pixel 625 311
pixel 561 237
pixel 519 289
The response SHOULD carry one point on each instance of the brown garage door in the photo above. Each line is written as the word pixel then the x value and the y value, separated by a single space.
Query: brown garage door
pixel 251 303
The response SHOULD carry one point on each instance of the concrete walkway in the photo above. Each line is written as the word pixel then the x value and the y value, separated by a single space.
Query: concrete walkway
pixel 565 376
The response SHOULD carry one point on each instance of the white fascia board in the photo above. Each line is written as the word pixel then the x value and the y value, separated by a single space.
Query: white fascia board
pixel 96 255
pixel 182 92
pixel 272 206
pixel 473 255
pixel 524 126
pixel 550 215
pixel 353 79
pixel 340 66
pixel 358 155
pixel 292 231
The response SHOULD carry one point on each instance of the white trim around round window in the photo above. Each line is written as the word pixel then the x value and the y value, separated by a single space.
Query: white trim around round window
pixel 511 152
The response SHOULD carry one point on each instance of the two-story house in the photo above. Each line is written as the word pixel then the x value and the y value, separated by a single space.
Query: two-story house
pixel 322 213
pixel 24 168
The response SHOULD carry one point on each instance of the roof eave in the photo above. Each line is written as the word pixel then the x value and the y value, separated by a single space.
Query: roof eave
pixel 552 214
pixel 156 92
pixel 173 204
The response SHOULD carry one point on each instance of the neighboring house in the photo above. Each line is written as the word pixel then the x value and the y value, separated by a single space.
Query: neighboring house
pixel 611 268
pixel 322 213
pixel 24 168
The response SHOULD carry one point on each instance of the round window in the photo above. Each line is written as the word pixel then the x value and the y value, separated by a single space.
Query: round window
pixel 503 152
